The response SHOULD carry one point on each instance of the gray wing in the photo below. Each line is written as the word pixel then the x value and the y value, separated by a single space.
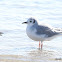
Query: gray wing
pixel 45 30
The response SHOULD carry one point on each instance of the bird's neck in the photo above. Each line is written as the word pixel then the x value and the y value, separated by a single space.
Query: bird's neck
pixel 31 27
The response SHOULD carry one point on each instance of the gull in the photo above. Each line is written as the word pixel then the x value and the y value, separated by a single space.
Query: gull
pixel 40 32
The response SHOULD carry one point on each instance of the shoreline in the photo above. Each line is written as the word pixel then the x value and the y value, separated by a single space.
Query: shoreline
pixel 33 56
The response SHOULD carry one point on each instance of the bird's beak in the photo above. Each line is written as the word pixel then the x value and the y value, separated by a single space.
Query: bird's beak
pixel 24 23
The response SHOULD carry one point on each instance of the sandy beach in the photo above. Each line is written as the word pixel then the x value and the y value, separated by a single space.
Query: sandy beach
pixel 33 56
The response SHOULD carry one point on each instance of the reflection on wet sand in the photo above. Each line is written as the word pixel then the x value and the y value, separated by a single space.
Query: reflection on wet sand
pixel 32 56
pixel 41 55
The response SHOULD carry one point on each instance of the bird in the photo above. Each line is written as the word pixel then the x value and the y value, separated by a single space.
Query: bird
pixel 40 33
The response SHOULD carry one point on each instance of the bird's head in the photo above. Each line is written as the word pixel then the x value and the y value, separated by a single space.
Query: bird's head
pixel 30 21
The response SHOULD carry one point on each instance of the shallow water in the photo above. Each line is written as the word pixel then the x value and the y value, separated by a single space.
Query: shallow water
pixel 14 12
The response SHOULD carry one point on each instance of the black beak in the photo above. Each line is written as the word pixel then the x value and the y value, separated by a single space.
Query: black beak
pixel 24 23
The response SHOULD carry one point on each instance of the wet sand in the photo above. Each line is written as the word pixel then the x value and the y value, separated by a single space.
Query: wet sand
pixel 32 56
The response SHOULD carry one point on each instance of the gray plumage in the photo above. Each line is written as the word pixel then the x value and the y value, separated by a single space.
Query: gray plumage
pixel 44 30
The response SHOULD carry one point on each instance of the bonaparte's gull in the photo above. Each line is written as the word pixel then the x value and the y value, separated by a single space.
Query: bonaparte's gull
pixel 40 32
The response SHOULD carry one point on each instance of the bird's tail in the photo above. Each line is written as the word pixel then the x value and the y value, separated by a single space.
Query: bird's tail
pixel 60 33
pixel 58 30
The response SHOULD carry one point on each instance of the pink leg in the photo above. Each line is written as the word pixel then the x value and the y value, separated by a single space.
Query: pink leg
pixel 39 44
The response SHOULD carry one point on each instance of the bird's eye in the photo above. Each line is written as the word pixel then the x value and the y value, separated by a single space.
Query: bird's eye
pixel 30 21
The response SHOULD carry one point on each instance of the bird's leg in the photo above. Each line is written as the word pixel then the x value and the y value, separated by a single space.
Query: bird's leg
pixel 39 44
